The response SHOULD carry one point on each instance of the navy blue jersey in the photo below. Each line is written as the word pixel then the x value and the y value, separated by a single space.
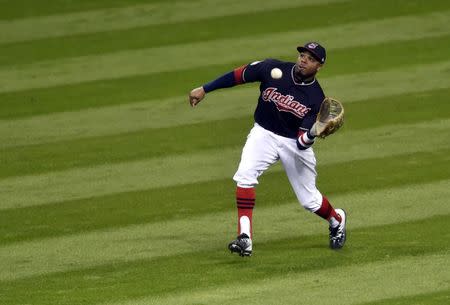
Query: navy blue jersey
pixel 285 107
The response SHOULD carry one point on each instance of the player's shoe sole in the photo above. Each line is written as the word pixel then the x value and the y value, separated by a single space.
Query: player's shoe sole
pixel 338 235
pixel 241 245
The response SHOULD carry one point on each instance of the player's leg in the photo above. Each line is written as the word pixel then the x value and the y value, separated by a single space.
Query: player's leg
pixel 258 154
pixel 300 168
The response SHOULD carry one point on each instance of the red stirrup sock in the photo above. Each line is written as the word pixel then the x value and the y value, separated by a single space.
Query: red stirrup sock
pixel 245 200
pixel 327 212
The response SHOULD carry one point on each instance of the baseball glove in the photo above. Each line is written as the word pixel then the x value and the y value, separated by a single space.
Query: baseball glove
pixel 330 118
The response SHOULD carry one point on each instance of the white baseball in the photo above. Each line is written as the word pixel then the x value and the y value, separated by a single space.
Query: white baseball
pixel 276 73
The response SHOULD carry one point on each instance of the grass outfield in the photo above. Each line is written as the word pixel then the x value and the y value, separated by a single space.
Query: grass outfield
pixel 114 191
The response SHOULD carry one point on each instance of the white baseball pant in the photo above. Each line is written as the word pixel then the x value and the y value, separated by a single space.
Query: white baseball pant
pixel 263 148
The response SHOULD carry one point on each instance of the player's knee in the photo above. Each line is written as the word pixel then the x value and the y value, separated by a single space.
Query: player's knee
pixel 311 203
pixel 246 178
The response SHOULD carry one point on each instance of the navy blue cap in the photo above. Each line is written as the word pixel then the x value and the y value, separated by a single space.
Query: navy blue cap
pixel 315 49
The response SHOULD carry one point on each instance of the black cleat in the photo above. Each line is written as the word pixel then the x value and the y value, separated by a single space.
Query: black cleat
pixel 241 245
pixel 338 234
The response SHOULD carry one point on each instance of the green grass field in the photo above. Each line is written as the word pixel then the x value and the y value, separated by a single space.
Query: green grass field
pixel 114 191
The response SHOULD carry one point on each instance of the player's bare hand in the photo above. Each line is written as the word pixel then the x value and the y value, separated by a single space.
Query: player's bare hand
pixel 196 95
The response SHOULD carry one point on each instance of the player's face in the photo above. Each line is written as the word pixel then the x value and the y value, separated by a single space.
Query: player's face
pixel 307 65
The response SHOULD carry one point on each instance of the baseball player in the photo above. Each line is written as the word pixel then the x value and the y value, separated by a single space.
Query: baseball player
pixel 285 129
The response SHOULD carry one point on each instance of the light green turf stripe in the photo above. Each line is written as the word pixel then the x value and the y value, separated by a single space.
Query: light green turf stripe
pixel 100 180
pixel 175 237
pixel 231 103
pixel 135 16
pixel 154 60
pixel 354 284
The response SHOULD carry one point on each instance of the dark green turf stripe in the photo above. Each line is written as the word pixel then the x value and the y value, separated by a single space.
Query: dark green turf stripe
pixel 210 29
pixel 382 56
pixel 169 84
pixel 30 8
pixel 170 203
pixel 437 298
pixel 212 266
pixel 124 147
pixel 399 109
pixel 405 109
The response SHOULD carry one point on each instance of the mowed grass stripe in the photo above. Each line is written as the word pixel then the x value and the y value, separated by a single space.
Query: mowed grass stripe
pixel 281 20
pixel 238 102
pixel 225 133
pixel 436 298
pixel 30 8
pixel 108 19
pixel 426 276
pixel 175 274
pixel 176 237
pixel 106 179
pixel 172 84
pixel 139 207
pixel 154 60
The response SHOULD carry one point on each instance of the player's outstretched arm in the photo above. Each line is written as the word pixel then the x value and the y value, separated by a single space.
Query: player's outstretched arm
pixel 196 95
pixel 227 80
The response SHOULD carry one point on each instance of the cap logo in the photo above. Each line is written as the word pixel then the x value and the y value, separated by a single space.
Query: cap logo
pixel 312 45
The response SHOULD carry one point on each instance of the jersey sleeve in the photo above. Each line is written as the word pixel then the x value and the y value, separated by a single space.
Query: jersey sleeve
pixel 308 121
pixel 244 74
pixel 305 139
pixel 253 72
pixel 257 71
pixel 310 118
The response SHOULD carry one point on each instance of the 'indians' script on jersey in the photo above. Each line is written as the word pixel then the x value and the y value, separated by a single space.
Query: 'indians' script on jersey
pixel 284 102
pixel 286 105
